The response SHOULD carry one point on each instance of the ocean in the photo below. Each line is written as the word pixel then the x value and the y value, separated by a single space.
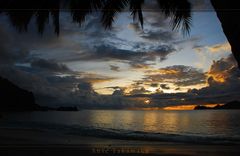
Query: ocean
pixel 197 126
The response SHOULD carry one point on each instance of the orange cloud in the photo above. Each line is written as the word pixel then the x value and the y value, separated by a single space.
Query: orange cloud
pixel 221 70
pixel 220 47
pixel 218 77
pixel 163 71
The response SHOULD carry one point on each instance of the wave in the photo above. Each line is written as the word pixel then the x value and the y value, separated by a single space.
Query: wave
pixel 123 134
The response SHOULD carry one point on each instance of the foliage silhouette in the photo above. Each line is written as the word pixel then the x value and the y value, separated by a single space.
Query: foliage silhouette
pixel 21 12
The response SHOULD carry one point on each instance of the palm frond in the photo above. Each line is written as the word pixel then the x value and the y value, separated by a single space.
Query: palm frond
pixel 109 11
pixel 20 20
pixel 136 8
pixel 80 9
pixel 21 12
pixel 179 11
pixel 42 17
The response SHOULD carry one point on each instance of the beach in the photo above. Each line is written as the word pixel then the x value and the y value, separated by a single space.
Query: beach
pixel 122 132
pixel 38 142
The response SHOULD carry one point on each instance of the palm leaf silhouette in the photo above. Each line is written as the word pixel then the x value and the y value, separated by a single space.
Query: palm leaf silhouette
pixel 179 11
pixel 80 9
pixel 136 8
pixel 21 12
pixel 110 9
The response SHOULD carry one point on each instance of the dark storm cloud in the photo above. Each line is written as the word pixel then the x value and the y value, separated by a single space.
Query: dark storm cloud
pixel 224 79
pixel 39 77
pixel 114 87
pixel 85 88
pixel 109 52
pixel 9 52
pixel 118 92
pixel 50 89
pixel 155 85
pixel 223 65
pixel 49 65
pixel 94 47
pixel 141 90
pixel 180 75
pixel 55 90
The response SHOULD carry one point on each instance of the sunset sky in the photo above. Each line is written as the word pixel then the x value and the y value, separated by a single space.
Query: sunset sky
pixel 126 66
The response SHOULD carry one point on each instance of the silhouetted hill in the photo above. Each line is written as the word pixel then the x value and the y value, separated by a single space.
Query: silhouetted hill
pixel 13 98
pixel 229 105
pixel 200 107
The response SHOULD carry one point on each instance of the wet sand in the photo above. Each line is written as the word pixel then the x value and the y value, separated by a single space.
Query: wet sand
pixel 38 142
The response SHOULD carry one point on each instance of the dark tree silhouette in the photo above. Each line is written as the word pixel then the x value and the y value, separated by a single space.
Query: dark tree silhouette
pixel 21 12
pixel 228 12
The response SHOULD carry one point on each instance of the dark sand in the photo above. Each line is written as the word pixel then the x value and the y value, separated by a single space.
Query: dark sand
pixel 40 143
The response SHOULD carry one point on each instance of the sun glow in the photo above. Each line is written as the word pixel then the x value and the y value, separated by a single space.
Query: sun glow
pixel 218 77
pixel 188 107
pixel 147 102
pixel 181 107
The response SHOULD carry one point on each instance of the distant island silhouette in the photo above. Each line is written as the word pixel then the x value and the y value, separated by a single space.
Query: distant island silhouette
pixel 229 105
pixel 14 98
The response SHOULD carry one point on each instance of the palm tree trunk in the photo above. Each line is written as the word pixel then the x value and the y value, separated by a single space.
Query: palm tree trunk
pixel 228 13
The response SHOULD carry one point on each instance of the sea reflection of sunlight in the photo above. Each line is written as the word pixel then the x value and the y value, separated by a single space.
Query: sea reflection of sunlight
pixel 150 121
pixel 170 122
pixel 101 118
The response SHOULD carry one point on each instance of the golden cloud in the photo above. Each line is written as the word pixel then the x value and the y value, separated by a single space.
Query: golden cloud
pixel 218 77
pixel 96 78
pixel 221 70
pixel 163 71
pixel 224 47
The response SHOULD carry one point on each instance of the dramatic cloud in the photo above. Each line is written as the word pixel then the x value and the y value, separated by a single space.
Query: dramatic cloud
pixel 220 47
pixel 221 70
pixel 179 75
pixel 216 48
pixel 219 90
pixel 164 86
pixel 223 81
pixel 85 88
pixel 114 68
pixel 109 52
pixel 49 65
pixel 71 68
pixel 141 90
pixel 155 85
pixel 118 92
pixel 9 53
pixel 158 35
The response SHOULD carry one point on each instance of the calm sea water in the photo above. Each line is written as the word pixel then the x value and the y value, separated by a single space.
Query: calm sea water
pixel 217 124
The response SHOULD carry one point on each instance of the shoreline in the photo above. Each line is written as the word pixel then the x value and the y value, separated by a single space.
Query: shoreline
pixel 31 140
